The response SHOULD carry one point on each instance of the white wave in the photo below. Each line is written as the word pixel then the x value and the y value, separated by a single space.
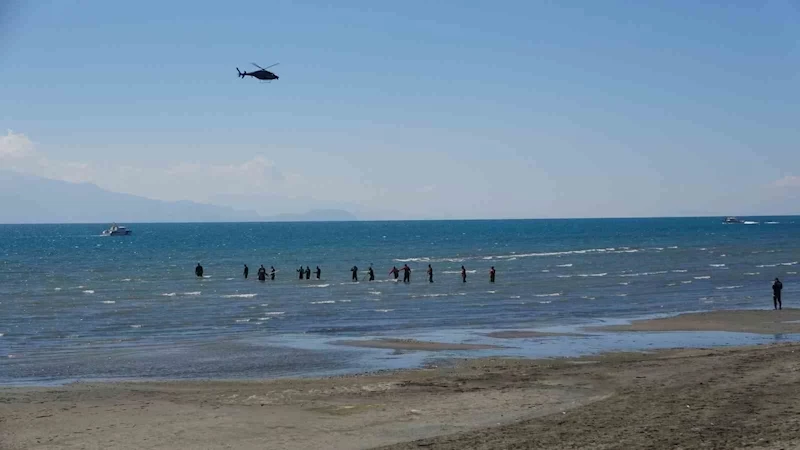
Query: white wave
pixel 511 259
pixel 265 304
pixel 206 276
pixel 344 301
pixel 228 279
pixel 491 292
pixel 261 319
pixel 727 287
pixel 750 222
pixel 791 273
pixel 564 276
pixel 658 249
pixel 515 296
pixel 586 297
pixel 622 295
pixel 564 265
pixel 673 247
pixel 319 285
pixel 108 302
pixel 274 313
pixel 383 310
pixel 585 275
pixel 125 279
pixel 752 273
pixel 88 291
pixel 625 283
pixel 488 257
pixel 686 282
pixel 771 223
pixel 2 334
pixel 239 296
pixel 793 263
pixel 169 294
pixel 545 302
pixel 672 284
pixel 679 271
pixel 643 274
pixel 192 293
pixel 374 292
pixel 429 295
pixel 458 271
pixel 704 277
pixel 57 289
pixel 242 320
pixel 136 326
pixel 545 271
pixel 555 294
pixel 717 265
pixel 766 265
pixel 323 302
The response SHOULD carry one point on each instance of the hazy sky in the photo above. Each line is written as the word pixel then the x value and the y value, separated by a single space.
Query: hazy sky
pixel 427 108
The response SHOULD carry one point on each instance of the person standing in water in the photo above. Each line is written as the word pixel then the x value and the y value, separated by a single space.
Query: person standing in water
pixel 301 271
pixel 406 274
pixel 491 275
pixel 247 271
pixel 262 273
pixel 371 274
pixel 430 274
pixel 198 270
pixel 308 273
pixel 355 273
pixel 272 273
pixel 394 272
pixel 777 287
pixel 463 274
pixel 319 272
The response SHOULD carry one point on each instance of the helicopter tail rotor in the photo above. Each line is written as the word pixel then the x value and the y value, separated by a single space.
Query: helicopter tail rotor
pixel 241 75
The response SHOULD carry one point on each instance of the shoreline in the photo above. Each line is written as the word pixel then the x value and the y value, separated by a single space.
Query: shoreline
pixel 623 399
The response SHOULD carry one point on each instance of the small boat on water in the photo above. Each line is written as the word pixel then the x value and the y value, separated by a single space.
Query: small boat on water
pixel 732 220
pixel 116 230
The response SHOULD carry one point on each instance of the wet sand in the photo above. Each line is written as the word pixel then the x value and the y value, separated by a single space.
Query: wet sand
pixel 524 334
pixel 784 321
pixel 412 344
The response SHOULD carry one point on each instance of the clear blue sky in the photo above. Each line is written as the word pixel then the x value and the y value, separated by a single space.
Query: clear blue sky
pixel 424 109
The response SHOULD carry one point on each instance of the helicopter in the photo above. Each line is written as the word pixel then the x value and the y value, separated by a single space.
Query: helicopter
pixel 261 74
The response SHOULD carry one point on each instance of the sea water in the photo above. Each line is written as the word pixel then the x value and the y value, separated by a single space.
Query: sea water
pixel 76 305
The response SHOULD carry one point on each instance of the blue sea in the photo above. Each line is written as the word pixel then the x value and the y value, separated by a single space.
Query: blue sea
pixel 75 305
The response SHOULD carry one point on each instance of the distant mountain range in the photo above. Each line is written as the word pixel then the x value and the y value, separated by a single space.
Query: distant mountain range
pixel 31 199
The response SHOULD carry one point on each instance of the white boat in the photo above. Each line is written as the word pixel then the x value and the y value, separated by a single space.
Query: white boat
pixel 117 230
pixel 732 220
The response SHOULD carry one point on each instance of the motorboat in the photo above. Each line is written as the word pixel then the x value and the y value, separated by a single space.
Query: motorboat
pixel 116 230
pixel 732 220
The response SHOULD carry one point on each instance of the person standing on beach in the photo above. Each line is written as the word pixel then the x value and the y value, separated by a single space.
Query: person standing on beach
pixel 406 274
pixel 394 272
pixel 262 273
pixel 308 272
pixel 777 287
pixel 355 273
pixel 319 272
pixel 371 274
pixel 301 271
pixel 430 274
pixel 198 271
pixel 491 275
pixel 272 273
pixel 463 274
pixel 247 271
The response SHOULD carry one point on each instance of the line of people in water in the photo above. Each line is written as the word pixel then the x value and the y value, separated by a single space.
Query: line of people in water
pixel 305 273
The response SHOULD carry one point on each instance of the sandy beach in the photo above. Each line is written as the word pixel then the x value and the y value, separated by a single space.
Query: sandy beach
pixel 683 398
pixel 756 321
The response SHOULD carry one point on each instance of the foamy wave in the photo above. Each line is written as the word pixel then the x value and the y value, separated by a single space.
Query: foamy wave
pixel 192 293
pixel 545 302
pixel 108 302
pixel 752 273
pixel 206 276
pixel 705 277
pixel 323 302
pixel 727 287
pixel 515 296
pixel 791 273
pixel 374 292
pixel 766 265
pixel 564 265
pixel 793 263
pixel 319 285
pixel 275 313
pixel 491 292
pixel 242 320
pixel 239 296
pixel 564 276
pixel 228 279
pixel 673 247
pixel 261 319
pixel 622 295
pixel 643 274
pixel 125 279
pixel 545 271
pixel 555 294
pixel 458 271
pixel 169 294
pixel 771 223
pixel 585 275
pixel 586 297
pixel 383 310
pixel 345 301
pixel 686 282
pixel 672 284
pixel 136 326
pixel 57 289
pixel 750 222
pixel 88 291
pixel 625 283
pixel 679 271
pixel 717 265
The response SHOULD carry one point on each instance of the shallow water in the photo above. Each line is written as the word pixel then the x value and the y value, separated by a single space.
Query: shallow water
pixel 77 305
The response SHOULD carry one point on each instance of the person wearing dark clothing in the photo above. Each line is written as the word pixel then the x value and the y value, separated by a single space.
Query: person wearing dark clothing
pixel 394 272
pixel 319 272
pixel 777 287
pixel 262 274
pixel 308 273
pixel 430 274
pixel 491 275
pixel 355 273
pixel 406 274
pixel 301 271
pixel 246 271
pixel 463 274
pixel 272 273
pixel 198 270
pixel 371 274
